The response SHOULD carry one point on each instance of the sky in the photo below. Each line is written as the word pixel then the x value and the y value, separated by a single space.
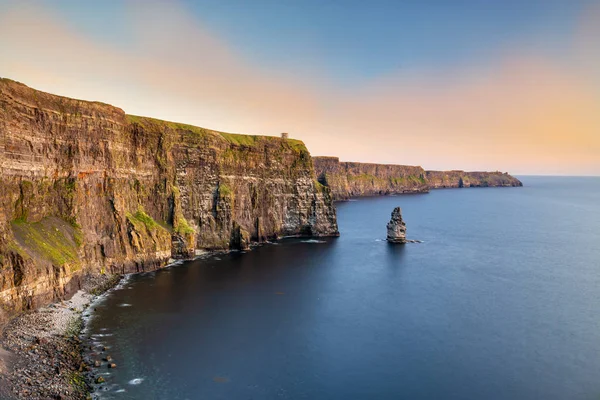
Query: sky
pixel 463 84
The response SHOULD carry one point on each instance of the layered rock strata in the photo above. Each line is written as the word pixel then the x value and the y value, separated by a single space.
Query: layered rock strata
pixel 350 179
pixel 396 228
pixel 87 189
pixel 462 179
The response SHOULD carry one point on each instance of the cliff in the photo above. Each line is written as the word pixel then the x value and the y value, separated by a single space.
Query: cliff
pixel 87 189
pixel 460 179
pixel 347 179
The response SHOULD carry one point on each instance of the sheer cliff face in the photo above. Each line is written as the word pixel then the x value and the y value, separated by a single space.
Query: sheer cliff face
pixel 459 179
pixel 347 179
pixel 87 189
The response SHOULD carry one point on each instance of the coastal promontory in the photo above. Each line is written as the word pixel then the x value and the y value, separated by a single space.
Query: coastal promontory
pixel 88 189
pixel 351 179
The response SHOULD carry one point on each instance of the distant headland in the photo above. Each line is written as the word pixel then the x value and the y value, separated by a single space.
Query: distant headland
pixel 349 179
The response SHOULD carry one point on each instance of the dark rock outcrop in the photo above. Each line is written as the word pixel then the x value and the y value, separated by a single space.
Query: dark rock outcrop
pixel 348 179
pixel 87 189
pixel 396 228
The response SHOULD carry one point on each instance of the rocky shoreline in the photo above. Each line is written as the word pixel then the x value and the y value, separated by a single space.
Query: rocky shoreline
pixel 44 354
pixel 41 351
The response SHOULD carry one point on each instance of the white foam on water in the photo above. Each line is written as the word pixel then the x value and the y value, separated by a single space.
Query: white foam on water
pixel 313 241
pixel 98 300
pixel 136 381
pixel 124 305
pixel 174 263
pixel 124 281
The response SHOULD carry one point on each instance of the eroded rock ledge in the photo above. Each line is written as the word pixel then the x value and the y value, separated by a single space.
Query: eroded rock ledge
pixel 350 179
pixel 87 188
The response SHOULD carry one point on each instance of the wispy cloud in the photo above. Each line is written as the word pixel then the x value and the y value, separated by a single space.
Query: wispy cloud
pixel 527 113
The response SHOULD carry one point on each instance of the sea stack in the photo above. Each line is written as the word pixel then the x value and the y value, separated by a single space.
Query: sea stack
pixel 396 228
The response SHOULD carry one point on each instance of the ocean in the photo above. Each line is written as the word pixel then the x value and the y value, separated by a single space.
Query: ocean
pixel 501 300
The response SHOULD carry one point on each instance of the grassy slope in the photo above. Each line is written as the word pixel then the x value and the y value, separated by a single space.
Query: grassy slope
pixel 232 138
pixel 51 239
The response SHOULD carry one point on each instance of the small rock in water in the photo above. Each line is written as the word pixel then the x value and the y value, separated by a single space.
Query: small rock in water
pixel 112 365
pixel 396 228
pixel 100 380
pixel 97 363
pixel 108 358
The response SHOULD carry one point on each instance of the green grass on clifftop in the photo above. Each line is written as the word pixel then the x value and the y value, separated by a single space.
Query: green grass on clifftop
pixel 145 121
pixel 232 138
pixel 243 140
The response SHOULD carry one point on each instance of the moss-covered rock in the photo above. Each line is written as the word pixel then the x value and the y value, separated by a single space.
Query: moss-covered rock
pixel 50 239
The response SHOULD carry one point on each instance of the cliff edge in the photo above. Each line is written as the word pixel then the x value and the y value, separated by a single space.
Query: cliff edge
pixel 349 179
pixel 462 179
pixel 87 189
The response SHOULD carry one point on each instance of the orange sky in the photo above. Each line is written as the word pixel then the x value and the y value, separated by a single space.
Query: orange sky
pixel 527 114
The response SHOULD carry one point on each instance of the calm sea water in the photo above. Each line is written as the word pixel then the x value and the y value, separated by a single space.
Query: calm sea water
pixel 501 301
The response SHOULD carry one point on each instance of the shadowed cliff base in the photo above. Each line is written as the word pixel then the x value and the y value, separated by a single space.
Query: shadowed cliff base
pixel 349 179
